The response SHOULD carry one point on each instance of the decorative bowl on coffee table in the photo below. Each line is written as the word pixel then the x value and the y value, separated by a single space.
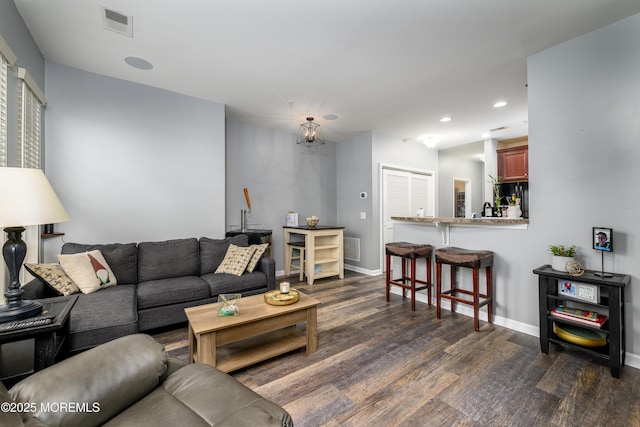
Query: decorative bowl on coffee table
pixel 278 298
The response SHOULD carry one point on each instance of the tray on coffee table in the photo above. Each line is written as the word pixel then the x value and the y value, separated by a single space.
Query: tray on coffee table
pixel 278 298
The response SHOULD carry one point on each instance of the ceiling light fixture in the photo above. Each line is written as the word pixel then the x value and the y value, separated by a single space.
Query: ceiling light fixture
pixel 445 119
pixel 499 104
pixel 310 134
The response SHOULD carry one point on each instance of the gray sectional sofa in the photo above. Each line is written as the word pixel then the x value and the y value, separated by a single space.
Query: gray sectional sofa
pixel 156 282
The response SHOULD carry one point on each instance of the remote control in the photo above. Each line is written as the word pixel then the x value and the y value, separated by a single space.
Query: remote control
pixel 44 319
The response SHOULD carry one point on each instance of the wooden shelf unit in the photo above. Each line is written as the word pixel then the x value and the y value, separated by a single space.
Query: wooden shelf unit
pixel 324 251
pixel 611 291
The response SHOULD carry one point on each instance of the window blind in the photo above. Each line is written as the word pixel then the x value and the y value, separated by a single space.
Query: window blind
pixel 7 58
pixel 30 102
pixel 3 110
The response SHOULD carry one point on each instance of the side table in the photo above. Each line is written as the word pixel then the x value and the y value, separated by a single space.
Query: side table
pixel 47 342
pixel 610 302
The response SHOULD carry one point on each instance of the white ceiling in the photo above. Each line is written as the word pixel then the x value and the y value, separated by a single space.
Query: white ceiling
pixel 394 67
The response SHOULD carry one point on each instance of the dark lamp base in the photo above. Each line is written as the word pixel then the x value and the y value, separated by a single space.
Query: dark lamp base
pixel 24 309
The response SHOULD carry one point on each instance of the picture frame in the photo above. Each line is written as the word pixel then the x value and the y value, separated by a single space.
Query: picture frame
pixel 602 238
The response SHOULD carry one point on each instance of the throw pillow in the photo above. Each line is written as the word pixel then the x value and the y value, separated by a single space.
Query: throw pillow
pixel 88 270
pixel 255 258
pixel 54 276
pixel 236 260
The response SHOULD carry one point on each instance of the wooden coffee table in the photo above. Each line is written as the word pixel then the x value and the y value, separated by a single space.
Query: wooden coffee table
pixel 260 332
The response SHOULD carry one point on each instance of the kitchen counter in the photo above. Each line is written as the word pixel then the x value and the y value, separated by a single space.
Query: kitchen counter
pixel 443 224
pixel 471 221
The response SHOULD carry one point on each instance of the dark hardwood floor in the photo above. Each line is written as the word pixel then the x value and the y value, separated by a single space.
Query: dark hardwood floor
pixel 379 364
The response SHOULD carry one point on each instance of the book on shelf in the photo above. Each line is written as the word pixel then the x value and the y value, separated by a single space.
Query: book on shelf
pixel 576 312
pixel 596 323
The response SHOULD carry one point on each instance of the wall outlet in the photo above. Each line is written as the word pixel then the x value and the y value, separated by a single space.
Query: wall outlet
pixel 363 215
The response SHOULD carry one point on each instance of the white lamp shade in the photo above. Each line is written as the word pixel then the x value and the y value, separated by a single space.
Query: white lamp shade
pixel 27 198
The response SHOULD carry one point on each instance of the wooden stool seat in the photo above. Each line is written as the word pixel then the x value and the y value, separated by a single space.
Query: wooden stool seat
pixel 409 252
pixel 474 259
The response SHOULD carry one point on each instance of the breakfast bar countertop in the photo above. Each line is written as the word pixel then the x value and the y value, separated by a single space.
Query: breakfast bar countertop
pixel 444 224
pixel 472 221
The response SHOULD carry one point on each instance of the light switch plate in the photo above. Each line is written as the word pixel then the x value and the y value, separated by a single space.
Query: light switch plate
pixel 363 215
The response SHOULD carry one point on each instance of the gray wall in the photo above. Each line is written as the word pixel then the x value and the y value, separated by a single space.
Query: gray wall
pixel 584 151
pixel 355 172
pixel 281 177
pixel 584 147
pixel 131 162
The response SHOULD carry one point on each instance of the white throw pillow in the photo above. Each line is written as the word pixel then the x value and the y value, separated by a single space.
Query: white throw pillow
pixel 88 270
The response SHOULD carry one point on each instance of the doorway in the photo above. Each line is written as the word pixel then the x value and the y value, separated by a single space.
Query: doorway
pixel 461 198
pixel 404 191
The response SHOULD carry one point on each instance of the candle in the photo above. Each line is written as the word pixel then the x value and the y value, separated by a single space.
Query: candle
pixel 284 287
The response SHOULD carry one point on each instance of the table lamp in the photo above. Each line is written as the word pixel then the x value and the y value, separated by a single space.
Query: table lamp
pixel 27 199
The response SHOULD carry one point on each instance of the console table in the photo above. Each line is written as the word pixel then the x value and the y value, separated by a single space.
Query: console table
pixel 256 237
pixel 324 251
pixel 611 302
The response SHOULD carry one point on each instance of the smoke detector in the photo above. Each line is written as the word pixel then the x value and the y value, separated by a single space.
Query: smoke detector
pixel 117 21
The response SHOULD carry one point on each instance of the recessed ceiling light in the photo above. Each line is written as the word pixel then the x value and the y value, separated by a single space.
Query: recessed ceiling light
pixel 499 104
pixel 445 119
pixel 330 117
pixel 486 135
pixel 139 63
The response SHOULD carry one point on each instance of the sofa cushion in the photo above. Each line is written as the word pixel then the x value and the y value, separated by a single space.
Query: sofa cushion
pixel 121 257
pixel 55 277
pixel 167 259
pixel 102 316
pixel 212 251
pixel 228 283
pixel 236 260
pixel 156 293
pixel 88 270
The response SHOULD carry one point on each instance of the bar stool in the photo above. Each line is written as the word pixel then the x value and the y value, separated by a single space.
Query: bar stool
pixel 409 252
pixel 300 257
pixel 457 257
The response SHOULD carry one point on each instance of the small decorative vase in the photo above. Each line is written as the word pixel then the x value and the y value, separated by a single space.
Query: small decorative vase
pixel 559 263
pixel 514 211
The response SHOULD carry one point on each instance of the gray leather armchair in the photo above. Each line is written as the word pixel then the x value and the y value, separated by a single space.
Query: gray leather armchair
pixel 130 381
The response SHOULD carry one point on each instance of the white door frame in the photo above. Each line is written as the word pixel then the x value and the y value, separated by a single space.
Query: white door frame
pixel 381 168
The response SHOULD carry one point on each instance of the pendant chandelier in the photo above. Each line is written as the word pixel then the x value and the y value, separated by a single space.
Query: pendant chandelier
pixel 310 134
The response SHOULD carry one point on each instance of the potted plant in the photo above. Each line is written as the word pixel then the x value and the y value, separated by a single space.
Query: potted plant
pixel 561 255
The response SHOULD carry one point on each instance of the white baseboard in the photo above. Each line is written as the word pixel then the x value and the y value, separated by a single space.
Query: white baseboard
pixel 280 273
pixel 362 270
pixel 631 359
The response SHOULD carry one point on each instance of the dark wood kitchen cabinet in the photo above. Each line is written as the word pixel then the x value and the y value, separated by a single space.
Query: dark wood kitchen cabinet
pixel 513 164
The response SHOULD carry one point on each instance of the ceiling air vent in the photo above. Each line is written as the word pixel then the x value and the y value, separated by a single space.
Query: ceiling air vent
pixel 500 128
pixel 116 21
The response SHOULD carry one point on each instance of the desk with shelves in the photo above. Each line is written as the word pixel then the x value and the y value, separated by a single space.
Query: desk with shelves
pixel 324 251
pixel 611 301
